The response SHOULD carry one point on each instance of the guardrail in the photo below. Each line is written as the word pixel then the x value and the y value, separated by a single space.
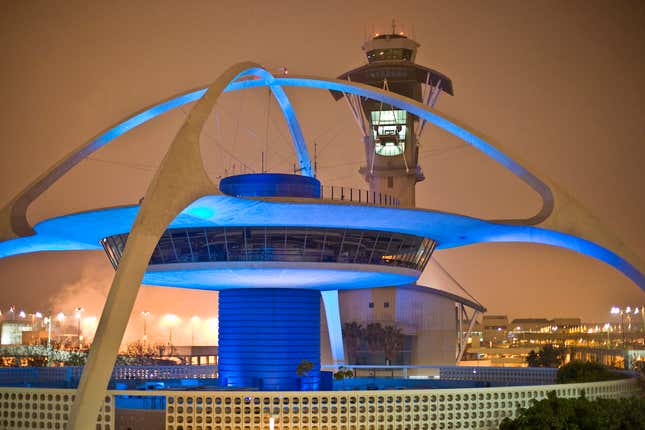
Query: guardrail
pixel 494 375
pixel 439 409
pixel 70 375
pixel 332 192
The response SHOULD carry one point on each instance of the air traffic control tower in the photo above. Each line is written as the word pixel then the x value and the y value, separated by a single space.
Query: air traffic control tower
pixel 391 135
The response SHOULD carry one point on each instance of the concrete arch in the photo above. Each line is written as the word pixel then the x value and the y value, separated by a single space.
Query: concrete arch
pixel 13 216
pixel 179 180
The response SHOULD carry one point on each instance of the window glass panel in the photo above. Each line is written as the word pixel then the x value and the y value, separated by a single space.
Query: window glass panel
pixel 198 246
pixel 313 251
pixel 167 250
pixel 217 244
pixel 380 249
pixel 255 244
pixel 365 247
pixel 182 247
pixel 350 246
pixel 333 238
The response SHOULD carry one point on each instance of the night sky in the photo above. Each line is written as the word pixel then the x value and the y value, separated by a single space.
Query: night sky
pixel 560 83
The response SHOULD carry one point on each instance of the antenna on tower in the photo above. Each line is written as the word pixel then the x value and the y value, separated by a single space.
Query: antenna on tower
pixel 393 26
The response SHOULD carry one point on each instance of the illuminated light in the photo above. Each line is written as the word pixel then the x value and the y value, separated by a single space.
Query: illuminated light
pixel 628 309
pixel 201 212
pixel 614 310
pixel 22 314
pixel 376 35
pixel 38 315
pixel 635 311
pixel 77 312
pixel 170 320
pixel 271 423
pixel 60 317
pixel 401 34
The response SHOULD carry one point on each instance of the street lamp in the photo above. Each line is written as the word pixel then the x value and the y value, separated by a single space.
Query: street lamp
pixel 145 315
pixel 78 311
pixel 48 322
pixel 193 322
pixel 627 311
pixel 170 320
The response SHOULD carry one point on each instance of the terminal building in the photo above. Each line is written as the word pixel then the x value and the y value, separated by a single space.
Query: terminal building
pixel 305 278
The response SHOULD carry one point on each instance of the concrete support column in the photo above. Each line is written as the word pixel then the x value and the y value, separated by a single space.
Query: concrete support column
pixel 334 326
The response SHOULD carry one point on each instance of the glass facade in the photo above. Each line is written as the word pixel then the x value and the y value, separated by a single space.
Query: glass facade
pixel 288 244
pixel 389 54
pixel 389 129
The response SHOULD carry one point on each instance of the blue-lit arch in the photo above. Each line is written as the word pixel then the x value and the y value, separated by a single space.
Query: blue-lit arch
pixel 258 77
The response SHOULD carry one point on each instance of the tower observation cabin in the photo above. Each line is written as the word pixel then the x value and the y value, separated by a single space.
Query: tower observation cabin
pixel 391 135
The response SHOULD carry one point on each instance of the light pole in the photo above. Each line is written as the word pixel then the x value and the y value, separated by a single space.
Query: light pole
pixel 48 321
pixel 78 311
pixel 193 322
pixel 615 310
pixel 170 320
pixel 145 315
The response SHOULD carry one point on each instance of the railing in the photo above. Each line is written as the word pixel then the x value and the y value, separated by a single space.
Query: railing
pixel 439 409
pixel 70 375
pixel 331 192
pixel 494 375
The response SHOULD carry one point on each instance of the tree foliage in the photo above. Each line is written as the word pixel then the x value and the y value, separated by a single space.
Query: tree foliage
pixel 304 368
pixel 353 333
pixel 554 413
pixel 388 339
pixel 547 356
pixel 585 371
pixel 392 342
pixel 374 337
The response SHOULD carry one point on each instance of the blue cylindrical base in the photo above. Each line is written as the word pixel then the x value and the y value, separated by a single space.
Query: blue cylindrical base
pixel 264 334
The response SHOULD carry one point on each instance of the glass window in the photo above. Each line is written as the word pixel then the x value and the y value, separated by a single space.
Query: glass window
pixel 256 244
pixel 217 244
pixel 179 240
pixel 198 244
pixel 283 244
pixel 389 130
pixel 351 242
pixel 331 249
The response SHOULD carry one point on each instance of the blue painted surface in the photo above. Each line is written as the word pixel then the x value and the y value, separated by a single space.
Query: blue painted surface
pixel 270 185
pixel 264 333
pixel 85 230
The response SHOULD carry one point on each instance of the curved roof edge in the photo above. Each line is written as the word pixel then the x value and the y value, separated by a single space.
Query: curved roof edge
pixel 429 290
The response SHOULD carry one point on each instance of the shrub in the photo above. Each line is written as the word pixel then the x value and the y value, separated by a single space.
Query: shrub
pixel 581 414
pixel 585 371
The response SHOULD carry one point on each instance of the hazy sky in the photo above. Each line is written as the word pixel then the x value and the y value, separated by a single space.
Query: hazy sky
pixel 560 83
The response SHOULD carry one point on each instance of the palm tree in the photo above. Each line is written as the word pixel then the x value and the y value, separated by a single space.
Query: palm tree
pixel 392 342
pixel 374 336
pixel 352 333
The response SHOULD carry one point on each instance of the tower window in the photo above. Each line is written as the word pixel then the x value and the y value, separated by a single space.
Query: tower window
pixel 370 305
pixel 390 181
pixel 389 130
pixel 386 304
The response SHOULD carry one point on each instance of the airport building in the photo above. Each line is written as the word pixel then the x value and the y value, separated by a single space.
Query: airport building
pixel 298 265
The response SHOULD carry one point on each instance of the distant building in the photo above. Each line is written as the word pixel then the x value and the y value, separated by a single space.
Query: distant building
pixel 495 330
pixel 12 332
